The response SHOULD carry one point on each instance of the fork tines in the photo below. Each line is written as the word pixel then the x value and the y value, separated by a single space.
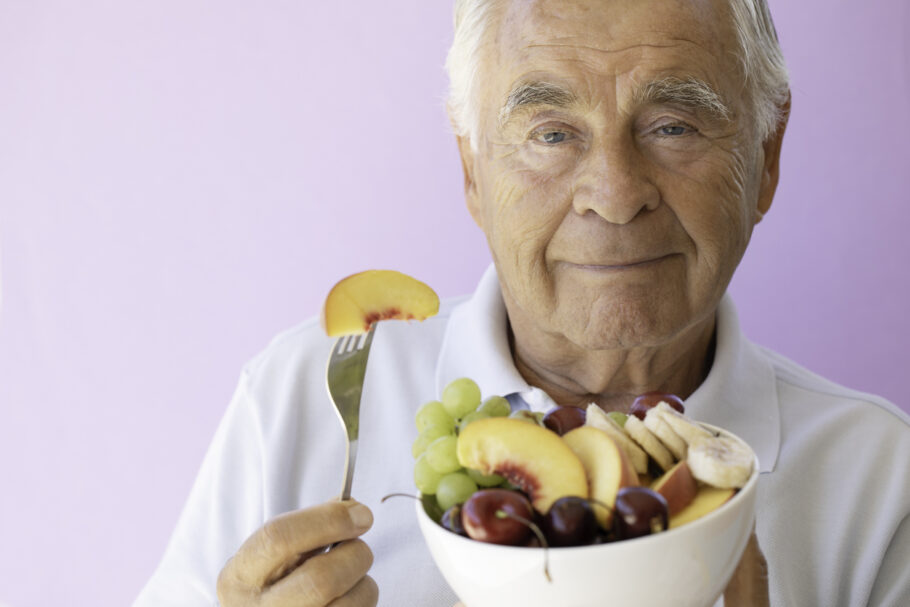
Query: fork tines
pixel 349 343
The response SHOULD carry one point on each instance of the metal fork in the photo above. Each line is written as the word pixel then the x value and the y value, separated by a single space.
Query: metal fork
pixel 344 380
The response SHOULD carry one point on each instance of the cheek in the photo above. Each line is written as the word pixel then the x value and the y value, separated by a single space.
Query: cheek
pixel 717 215
pixel 736 202
pixel 524 206
pixel 715 211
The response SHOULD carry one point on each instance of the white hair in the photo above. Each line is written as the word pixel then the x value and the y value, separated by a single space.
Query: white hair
pixel 765 73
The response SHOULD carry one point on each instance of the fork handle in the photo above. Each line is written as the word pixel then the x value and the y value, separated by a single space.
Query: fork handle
pixel 350 455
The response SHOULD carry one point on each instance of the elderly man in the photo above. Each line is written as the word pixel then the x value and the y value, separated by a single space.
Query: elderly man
pixel 617 154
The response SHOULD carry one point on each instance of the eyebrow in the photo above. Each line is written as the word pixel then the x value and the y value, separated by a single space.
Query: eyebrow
pixel 691 93
pixel 530 93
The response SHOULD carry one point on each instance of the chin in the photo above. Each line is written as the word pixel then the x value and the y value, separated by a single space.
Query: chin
pixel 623 325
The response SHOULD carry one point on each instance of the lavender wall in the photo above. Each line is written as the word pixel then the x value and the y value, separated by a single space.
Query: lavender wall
pixel 176 180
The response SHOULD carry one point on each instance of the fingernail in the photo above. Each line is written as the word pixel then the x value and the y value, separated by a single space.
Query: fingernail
pixel 360 515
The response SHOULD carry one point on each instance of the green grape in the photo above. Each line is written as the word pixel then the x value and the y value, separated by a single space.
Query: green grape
pixel 453 489
pixel 433 414
pixel 532 417
pixel 496 406
pixel 431 507
pixel 470 417
pixel 619 417
pixel 460 397
pixel 485 480
pixel 441 455
pixel 429 434
pixel 425 477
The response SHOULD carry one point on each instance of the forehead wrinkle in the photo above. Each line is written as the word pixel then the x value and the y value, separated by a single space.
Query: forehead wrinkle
pixel 655 39
pixel 567 42
pixel 688 92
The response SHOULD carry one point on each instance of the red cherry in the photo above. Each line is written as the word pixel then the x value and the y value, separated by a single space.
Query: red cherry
pixel 639 511
pixel 570 521
pixel 485 516
pixel 562 419
pixel 451 520
pixel 648 400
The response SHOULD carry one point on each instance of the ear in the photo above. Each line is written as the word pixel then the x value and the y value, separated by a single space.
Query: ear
pixel 470 185
pixel 771 168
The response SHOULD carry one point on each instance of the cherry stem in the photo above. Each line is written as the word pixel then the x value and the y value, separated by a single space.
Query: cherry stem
pixel 600 503
pixel 540 537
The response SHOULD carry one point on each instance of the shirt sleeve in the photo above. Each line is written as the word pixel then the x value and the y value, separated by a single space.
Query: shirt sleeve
pixel 892 585
pixel 224 507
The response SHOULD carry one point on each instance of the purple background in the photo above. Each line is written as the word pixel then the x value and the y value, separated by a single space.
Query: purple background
pixel 181 180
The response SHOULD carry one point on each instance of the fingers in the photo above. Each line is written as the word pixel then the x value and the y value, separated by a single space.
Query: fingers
pixel 364 593
pixel 325 577
pixel 749 584
pixel 277 545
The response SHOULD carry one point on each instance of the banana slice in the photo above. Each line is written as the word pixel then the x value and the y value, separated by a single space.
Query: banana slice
pixel 649 442
pixel 720 461
pixel 688 430
pixel 671 440
pixel 596 417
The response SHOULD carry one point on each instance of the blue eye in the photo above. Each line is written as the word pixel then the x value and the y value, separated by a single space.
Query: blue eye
pixel 673 130
pixel 553 137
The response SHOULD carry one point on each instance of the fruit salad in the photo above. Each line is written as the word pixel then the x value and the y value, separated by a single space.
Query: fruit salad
pixel 574 476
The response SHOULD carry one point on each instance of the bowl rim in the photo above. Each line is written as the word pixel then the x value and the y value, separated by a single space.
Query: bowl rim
pixel 741 494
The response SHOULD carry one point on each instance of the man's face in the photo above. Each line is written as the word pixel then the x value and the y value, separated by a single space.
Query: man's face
pixel 616 195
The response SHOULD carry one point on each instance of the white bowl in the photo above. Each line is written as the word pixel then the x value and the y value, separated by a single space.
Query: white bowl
pixel 687 565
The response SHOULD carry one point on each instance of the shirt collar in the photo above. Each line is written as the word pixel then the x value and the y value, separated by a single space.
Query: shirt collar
pixel 476 343
pixel 739 394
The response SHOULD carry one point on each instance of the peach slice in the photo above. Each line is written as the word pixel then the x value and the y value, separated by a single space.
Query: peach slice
pixel 607 467
pixel 529 456
pixel 706 501
pixel 361 299
pixel 678 487
pixel 598 418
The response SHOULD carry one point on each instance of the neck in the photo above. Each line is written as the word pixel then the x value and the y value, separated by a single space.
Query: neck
pixel 612 378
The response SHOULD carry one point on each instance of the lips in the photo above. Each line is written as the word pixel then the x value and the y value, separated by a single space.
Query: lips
pixel 632 262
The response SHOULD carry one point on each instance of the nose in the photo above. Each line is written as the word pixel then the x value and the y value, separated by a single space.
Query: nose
pixel 613 182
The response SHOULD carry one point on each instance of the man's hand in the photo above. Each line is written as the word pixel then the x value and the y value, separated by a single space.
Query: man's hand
pixel 749 585
pixel 284 563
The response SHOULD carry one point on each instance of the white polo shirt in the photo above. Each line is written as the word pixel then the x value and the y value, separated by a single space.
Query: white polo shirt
pixel 833 498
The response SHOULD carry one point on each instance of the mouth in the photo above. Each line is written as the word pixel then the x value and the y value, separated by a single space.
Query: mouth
pixel 621 265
